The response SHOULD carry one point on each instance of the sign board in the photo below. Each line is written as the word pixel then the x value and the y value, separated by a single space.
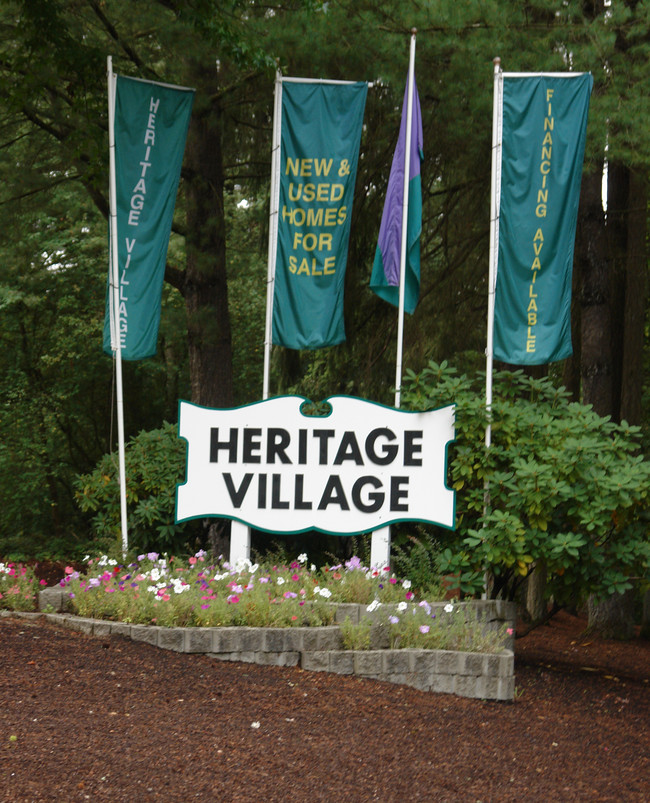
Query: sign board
pixel 361 467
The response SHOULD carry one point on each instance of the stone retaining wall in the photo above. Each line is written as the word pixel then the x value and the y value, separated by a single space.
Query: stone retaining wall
pixel 479 675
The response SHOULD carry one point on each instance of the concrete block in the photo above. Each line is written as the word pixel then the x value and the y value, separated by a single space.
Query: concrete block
pixel 52 598
pixel 418 680
pixel 293 638
pixel 146 633
pixel 277 658
pixel 345 610
pixel 275 639
pixel 60 619
pixel 328 638
pixel 171 638
pixel 368 663
pixel 472 663
pixel 251 639
pixel 342 662
pixel 80 624
pixel 395 662
pixel 102 629
pixel 490 688
pixel 506 664
pixel 442 684
pixel 425 662
pixel 506 690
pixel 467 686
pixel 226 639
pixel 315 661
pixel 491 665
pixel 121 629
pixel 449 663
pixel 197 639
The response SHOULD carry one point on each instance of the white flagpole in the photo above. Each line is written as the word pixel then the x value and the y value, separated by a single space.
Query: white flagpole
pixel 273 230
pixel 114 303
pixel 495 193
pixel 380 540
pixel 495 200
pixel 405 214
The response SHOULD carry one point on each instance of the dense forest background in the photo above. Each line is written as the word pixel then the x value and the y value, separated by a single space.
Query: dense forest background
pixel 56 385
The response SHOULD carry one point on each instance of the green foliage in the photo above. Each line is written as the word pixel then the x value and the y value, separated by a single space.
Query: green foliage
pixel 155 464
pixel 558 483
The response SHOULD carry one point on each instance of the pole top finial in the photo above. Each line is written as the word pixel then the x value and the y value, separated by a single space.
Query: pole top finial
pixel 414 31
pixel 497 61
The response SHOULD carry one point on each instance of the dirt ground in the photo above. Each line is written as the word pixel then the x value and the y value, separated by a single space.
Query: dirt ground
pixel 113 720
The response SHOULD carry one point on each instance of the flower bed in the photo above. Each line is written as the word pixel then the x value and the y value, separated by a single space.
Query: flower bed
pixel 344 618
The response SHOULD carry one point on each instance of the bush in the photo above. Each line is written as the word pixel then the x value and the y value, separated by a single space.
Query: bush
pixel 155 464
pixel 565 486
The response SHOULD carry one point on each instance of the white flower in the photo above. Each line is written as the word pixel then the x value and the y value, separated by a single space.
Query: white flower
pixel 374 605
pixel 280 581
pixel 325 592
pixel 155 574
pixel 302 558
pixel 312 568
pixel 406 584
pixel 255 725
pixel 402 606
pixel 449 607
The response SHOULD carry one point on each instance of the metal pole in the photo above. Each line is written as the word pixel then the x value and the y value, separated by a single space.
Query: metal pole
pixel 114 304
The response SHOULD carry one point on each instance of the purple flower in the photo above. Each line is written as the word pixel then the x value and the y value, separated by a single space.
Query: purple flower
pixel 424 629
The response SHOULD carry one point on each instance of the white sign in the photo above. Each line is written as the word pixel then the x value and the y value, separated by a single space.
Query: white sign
pixel 359 468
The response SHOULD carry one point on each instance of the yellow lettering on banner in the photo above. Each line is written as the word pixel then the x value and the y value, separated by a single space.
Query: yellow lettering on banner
pixel 530 345
pixel 532 306
pixel 536 264
pixel 532 318
pixel 549 122
pixel 540 211
pixel 538 236
pixel 332 216
pixel 310 267
pixel 548 140
pixel 311 241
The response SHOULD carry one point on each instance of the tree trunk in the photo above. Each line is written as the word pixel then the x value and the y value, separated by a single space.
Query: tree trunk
pixel 595 336
pixel 536 603
pixel 612 253
pixel 613 617
pixel 631 407
pixel 205 287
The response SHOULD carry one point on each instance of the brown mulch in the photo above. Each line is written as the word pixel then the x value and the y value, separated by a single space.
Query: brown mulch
pixel 113 720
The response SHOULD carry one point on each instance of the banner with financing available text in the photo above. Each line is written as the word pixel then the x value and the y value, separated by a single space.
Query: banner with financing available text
pixel 151 122
pixel 544 119
pixel 320 135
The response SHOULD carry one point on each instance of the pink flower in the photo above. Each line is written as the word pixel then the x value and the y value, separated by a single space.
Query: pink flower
pixel 392 581
pixel 166 597
pixel 233 599
pixel 205 606
pixel 192 561
pixel 295 578
pixel 43 582
pixel 409 595
pixel 510 631
pixel 68 570
pixel 424 629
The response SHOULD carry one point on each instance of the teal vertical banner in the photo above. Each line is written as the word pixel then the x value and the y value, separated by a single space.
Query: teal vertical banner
pixel 320 135
pixel 151 122
pixel 544 131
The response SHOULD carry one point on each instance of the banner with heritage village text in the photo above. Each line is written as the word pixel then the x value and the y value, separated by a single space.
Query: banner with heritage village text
pixel 320 135
pixel 151 122
pixel 544 121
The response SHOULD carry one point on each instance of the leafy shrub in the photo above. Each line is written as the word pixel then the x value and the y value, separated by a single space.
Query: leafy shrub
pixel 155 464
pixel 559 484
